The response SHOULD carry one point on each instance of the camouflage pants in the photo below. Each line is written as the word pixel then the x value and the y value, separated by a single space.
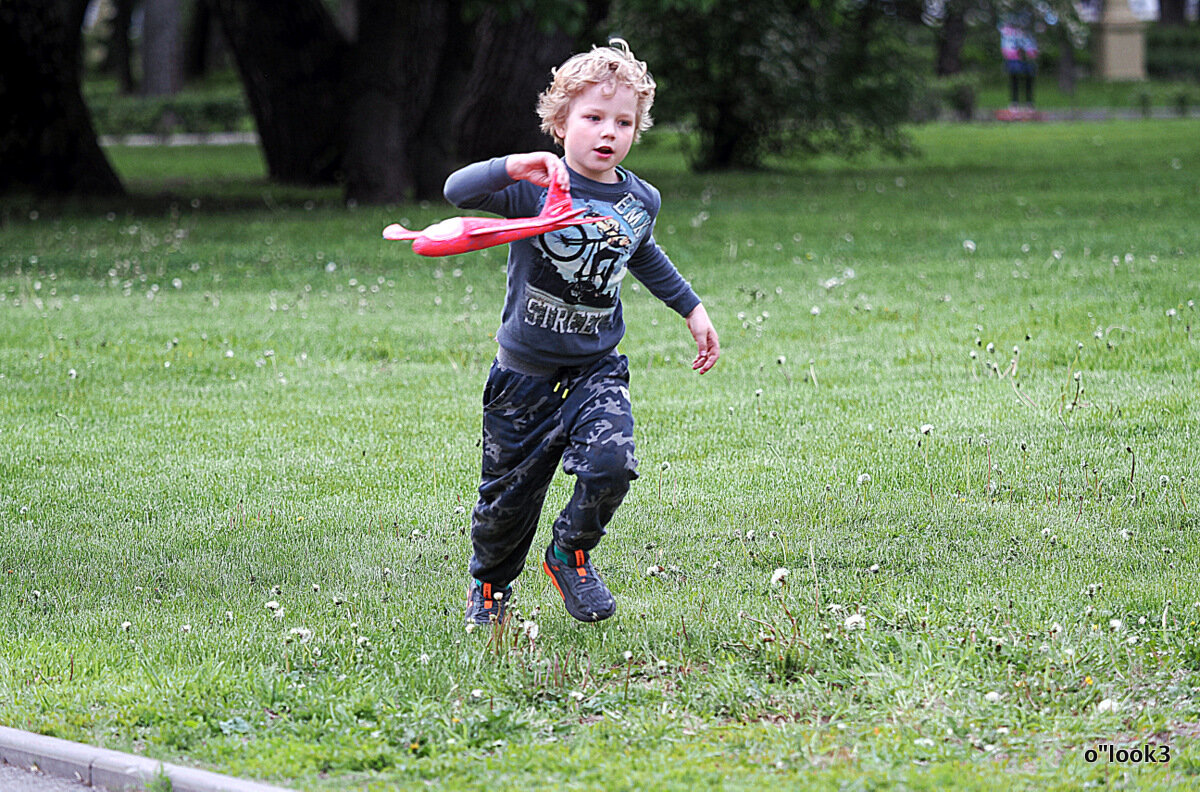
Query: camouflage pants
pixel 529 426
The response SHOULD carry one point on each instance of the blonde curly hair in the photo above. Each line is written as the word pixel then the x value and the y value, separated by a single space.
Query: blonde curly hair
pixel 611 66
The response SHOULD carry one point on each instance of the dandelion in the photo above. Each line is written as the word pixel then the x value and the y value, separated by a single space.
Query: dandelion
pixel 228 616
pixel 781 360
pixel 423 659
pixel 926 428
pixel 577 695
pixel 72 374
pixel 990 348
pixel 530 629
pixel 187 628
pixel 1108 705
pixel 628 655
pixel 864 479
pixel 476 693
pixel 873 569
pixel 815 310
pixel 272 606
pixel 301 634
pixel 992 697
pixel 969 245
pixel 779 576
pixel 316 588
pixel 1116 625
pixel 126 626
pixel 654 570
pixel 363 642
pixel 855 621
pixel 666 466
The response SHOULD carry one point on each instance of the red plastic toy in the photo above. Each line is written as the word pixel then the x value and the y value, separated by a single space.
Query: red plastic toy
pixel 464 234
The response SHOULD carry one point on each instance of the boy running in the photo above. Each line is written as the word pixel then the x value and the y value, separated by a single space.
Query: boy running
pixel 558 389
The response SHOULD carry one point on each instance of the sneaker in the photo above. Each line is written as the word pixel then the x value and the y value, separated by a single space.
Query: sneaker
pixel 582 590
pixel 487 604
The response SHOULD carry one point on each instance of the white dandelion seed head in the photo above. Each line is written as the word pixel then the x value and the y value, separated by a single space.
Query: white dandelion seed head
pixel 779 576
pixel 1108 705
pixel 815 310
pixel 992 697
pixel 864 479
pixel 628 655
pixel 855 621
pixel 530 629
pixel 187 628
pixel 126 626
pixel 969 245
pixel 926 428
pixel 272 605
pixel 1116 625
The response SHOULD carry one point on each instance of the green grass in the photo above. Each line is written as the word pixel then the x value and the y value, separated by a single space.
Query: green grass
pixel 1094 93
pixel 235 394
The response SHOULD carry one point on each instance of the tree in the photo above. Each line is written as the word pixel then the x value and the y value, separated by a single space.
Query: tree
pixel 162 48
pixel 1172 12
pixel 378 110
pixel 292 61
pixel 47 142
pixel 758 76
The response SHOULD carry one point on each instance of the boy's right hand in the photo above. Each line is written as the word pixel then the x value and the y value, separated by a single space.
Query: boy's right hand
pixel 539 167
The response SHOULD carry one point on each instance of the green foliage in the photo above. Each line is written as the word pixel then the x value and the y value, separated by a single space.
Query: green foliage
pixel 769 76
pixel 1173 52
pixel 199 112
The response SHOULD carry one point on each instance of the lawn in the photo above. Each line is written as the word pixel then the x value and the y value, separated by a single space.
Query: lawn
pixel 956 403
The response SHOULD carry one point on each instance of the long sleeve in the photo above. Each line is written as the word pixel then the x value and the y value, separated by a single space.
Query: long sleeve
pixel 482 185
pixel 650 265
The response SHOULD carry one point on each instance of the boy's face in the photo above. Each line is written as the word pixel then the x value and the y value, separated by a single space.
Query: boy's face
pixel 599 130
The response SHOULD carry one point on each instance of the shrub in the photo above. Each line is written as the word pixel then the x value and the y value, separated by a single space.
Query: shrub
pixel 1173 52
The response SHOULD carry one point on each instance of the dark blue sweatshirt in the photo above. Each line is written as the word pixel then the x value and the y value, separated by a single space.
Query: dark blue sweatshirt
pixel 563 304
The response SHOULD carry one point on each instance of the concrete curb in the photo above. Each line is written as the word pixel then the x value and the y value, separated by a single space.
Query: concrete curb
pixel 112 770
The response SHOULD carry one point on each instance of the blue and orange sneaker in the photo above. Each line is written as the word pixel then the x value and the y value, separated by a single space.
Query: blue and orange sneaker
pixel 582 590
pixel 487 604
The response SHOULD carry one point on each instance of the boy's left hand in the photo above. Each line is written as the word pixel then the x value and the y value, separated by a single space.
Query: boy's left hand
pixel 707 347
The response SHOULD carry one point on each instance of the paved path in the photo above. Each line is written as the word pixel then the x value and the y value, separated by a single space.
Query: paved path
pixel 16 779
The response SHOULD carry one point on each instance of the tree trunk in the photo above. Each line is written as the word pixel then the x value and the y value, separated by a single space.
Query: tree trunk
pixel 118 58
pixel 292 60
pixel 47 142
pixel 950 43
pixel 162 51
pixel 512 66
pixel 197 41
pixel 401 74
pixel 1172 12
pixel 1066 61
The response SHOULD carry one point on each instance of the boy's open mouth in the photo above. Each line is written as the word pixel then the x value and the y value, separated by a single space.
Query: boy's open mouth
pixel 604 150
